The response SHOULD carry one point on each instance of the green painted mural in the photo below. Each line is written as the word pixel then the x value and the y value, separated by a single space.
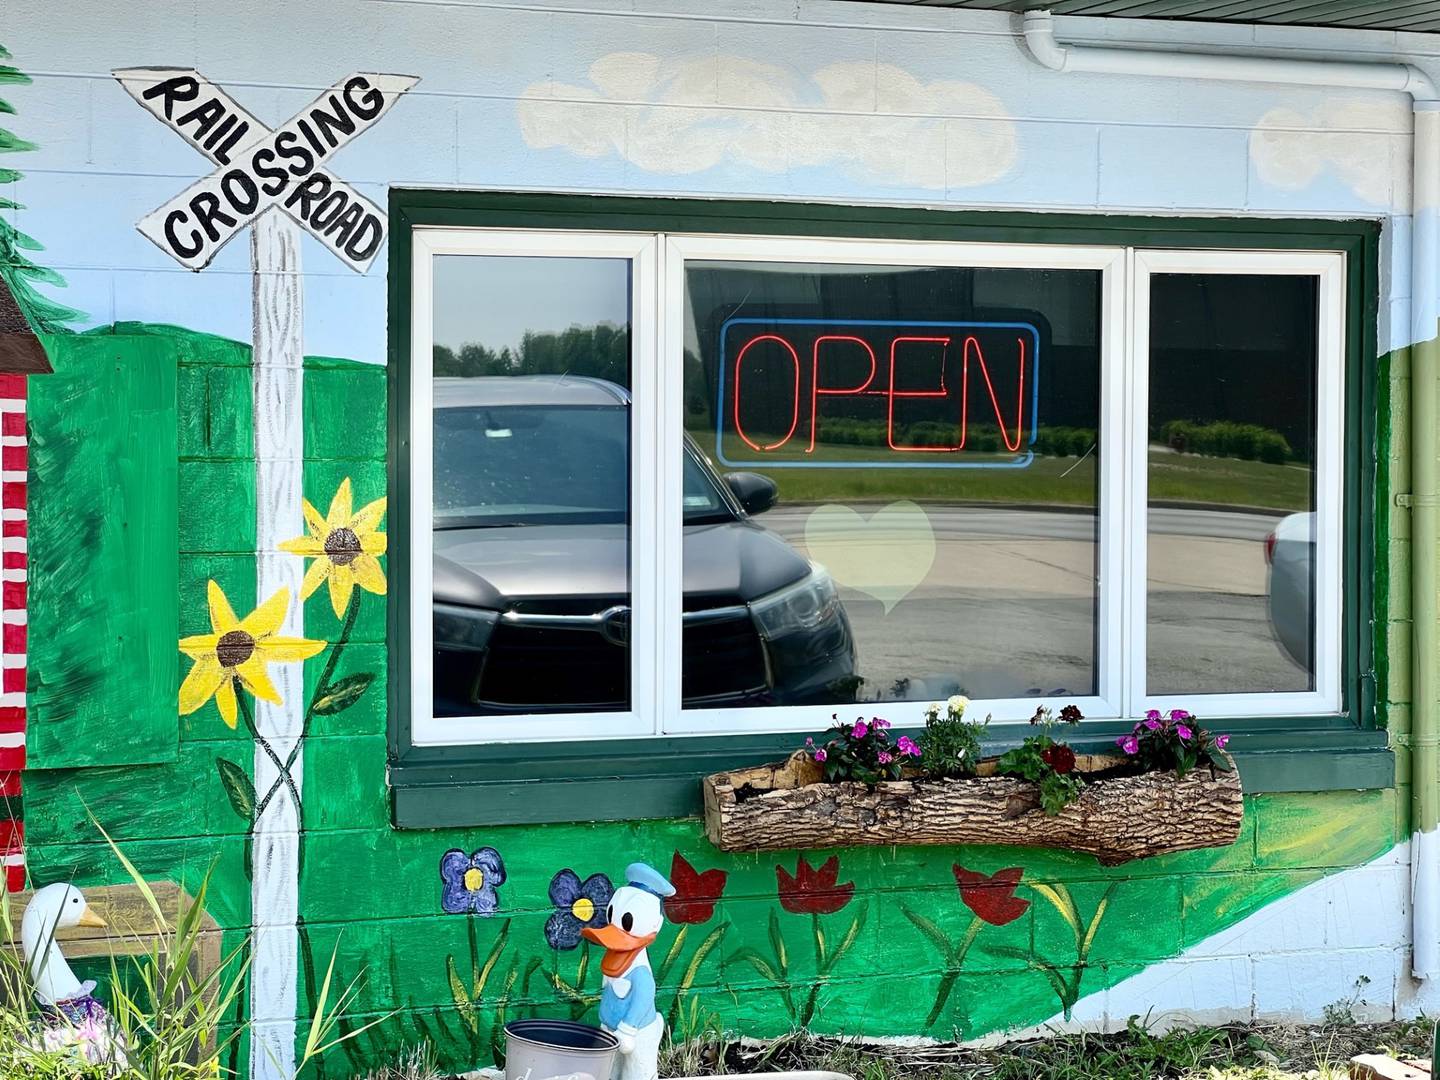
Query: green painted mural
pixel 144 507
pixel 867 941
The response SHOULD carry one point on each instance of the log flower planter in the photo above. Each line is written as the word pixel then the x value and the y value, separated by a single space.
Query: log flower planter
pixel 1119 815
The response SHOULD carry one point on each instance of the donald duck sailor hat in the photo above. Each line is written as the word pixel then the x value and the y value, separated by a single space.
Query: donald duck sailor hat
pixel 648 879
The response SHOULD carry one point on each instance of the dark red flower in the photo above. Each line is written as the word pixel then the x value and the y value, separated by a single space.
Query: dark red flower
pixel 695 893
pixel 1071 714
pixel 813 892
pixel 1059 757
pixel 992 898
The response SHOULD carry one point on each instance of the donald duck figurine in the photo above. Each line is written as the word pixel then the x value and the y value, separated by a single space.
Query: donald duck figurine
pixel 627 1003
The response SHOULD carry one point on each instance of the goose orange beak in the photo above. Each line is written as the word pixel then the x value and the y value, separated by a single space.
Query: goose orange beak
pixel 89 918
pixel 621 948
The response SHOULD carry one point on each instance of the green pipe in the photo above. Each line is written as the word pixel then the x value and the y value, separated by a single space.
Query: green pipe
pixel 1425 537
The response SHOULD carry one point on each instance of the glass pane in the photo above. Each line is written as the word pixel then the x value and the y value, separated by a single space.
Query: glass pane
pixel 891 484
pixel 531 485
pixel 1231 467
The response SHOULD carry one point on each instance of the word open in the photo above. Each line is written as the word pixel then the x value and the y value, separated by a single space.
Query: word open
pixel 832 393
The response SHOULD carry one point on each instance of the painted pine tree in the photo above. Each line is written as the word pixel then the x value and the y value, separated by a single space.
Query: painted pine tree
pixel 17 269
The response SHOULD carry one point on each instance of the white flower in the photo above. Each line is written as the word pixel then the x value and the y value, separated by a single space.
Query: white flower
pixel 958 704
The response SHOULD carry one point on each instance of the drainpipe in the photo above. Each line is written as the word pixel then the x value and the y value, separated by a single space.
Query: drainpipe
pixel 1425 537
pixel 1424 738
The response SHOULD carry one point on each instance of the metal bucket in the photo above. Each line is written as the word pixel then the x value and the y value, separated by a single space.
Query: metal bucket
pixel 558 1050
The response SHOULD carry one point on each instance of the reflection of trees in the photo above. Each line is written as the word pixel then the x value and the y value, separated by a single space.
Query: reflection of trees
pixel 601 351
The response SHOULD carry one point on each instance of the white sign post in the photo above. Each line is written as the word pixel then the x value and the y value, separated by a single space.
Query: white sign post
pixel 273 179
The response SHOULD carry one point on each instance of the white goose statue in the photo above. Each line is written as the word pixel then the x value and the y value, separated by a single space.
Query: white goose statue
pixel 70 1015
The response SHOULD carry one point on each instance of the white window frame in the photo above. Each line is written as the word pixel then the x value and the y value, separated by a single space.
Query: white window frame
pixel 656 527
pixel 1329 270
pixel 1109 262
pixel 640 249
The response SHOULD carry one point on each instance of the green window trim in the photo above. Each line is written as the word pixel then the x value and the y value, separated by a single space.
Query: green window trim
pixel 658 777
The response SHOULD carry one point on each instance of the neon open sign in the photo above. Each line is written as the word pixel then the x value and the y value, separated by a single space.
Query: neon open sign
pixel 843 393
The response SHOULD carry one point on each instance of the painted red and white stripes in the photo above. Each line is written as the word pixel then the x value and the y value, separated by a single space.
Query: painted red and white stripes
pixel 14 462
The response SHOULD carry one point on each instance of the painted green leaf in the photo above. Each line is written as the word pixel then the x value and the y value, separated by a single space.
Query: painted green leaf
pixel 238 788
pixel 755 960
pixel 933 932
pixel 340 695
pixel 777 943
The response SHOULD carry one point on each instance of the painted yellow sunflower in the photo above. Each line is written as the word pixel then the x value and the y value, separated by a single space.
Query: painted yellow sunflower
pixel 238 650
pixel 344 545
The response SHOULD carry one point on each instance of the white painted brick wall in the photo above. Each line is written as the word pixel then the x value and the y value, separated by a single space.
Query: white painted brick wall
pixel 757 72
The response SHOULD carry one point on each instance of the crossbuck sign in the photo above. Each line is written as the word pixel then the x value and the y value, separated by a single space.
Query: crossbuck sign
pixel 260 169
pixel 274 181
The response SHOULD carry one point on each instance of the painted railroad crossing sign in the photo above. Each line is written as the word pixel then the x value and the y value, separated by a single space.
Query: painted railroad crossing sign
pixel 274 181
pixel 259 169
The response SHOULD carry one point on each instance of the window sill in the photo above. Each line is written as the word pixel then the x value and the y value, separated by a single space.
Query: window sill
pixel 630 780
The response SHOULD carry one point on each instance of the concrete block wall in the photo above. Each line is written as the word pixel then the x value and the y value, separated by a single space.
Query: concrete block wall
pixel 810 100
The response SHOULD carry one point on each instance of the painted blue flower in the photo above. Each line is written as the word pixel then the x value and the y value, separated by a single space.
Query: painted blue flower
pixel 470 881
pixel 578 904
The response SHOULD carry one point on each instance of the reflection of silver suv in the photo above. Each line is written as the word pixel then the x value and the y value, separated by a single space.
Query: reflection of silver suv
pixel 1290 553
pixel 533 562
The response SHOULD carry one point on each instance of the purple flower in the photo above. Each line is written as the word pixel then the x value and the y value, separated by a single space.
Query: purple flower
pixel 884 758
pixel 1129 744
pixel 878 724
pixel 820 755
pixel 1183 731
pixel 468 882
pixel 860 730
pixel 1152 724
pixel 1176 715
pixel 1220 741
pixel 809 742
pixel 1153 714
pixel 906 745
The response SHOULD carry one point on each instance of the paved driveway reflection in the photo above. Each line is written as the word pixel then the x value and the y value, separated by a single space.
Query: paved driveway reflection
pixel 1008 608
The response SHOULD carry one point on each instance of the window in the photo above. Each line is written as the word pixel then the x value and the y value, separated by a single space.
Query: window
pixel 930 534
pixel 1241 375
pixel 667 484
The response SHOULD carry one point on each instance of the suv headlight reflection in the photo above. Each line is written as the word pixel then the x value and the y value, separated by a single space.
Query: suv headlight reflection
pixel 462 628
pixel 800 607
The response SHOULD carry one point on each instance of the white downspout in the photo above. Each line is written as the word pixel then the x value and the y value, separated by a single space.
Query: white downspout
pixel 1424 738
pixel 1039 31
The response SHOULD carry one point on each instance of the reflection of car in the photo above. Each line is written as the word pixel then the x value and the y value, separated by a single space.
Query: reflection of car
pixel 533 562
pixel 1290 553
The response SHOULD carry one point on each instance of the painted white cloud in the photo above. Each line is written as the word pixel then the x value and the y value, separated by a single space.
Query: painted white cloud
pixel 1351 139
pixel 878 123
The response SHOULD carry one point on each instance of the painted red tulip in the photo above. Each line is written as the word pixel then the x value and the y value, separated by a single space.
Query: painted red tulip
pixel 695 893
pixel 811 891
pixel 992 898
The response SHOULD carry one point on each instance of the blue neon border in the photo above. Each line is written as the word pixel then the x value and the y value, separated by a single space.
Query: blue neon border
pixel 1020 462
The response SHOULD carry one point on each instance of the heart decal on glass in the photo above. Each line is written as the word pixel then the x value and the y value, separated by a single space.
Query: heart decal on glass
pixel 886 555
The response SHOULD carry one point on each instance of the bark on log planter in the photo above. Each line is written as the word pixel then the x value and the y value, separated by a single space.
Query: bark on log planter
pixel 1117 818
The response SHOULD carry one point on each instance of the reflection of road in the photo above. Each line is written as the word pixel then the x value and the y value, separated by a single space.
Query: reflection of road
pixel 1008 607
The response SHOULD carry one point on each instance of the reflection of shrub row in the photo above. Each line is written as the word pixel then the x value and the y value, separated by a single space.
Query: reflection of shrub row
pixel 1224 438
pixel 1052 441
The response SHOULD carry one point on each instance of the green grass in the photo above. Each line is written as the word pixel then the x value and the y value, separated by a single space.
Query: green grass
pixel 1233 1052
pixel 1054 481
pixel 1191 478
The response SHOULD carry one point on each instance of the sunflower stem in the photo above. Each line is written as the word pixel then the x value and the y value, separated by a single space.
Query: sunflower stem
pixel 331 662
pixel 352 611
pixel 264 744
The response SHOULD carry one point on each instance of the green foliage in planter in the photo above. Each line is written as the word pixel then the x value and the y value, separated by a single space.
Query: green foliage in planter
pixel 1046 762
pixel 950 746
pixel 1174 740
pixel 862 752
